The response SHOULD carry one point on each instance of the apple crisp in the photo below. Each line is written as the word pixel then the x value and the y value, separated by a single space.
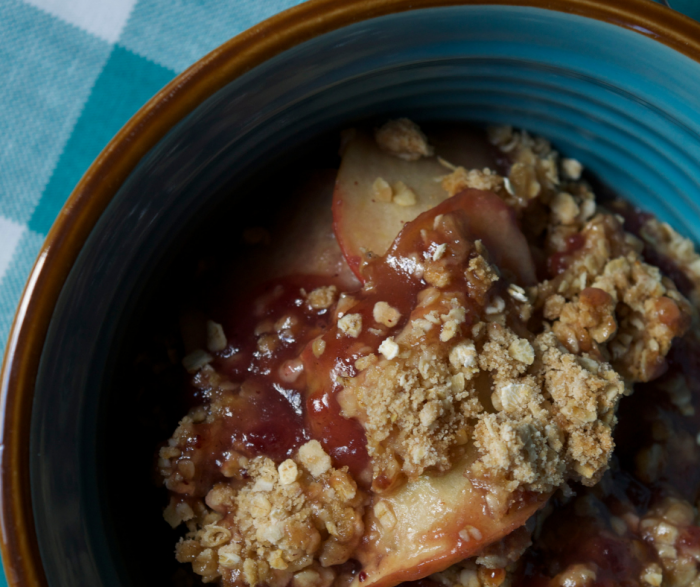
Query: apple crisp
pixel 455 396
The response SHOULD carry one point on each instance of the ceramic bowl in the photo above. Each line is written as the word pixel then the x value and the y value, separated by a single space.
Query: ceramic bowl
pixel 616 85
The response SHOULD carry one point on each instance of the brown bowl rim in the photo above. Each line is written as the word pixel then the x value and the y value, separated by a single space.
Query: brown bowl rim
pixel 18 541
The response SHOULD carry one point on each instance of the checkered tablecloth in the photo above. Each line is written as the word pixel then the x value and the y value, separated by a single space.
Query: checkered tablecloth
pixel 72 72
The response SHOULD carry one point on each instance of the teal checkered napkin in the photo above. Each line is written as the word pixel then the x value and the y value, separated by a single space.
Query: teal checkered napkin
pixel 72 72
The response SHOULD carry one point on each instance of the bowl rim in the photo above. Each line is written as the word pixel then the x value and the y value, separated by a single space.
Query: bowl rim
pixel 18 540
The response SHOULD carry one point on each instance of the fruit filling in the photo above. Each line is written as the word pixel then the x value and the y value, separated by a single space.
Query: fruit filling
pixel 426 386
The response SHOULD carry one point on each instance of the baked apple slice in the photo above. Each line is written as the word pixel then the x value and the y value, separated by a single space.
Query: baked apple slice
pixel 299 241
pixel 432 523
pixel 303 239
pixel 371 203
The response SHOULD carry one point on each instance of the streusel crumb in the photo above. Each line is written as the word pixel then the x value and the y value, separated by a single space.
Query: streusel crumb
pixel 611 303
pixel 554 420
pixel 664 239
pixel 461 179
pixel 416 403
pixel 286 523
pixel 404 139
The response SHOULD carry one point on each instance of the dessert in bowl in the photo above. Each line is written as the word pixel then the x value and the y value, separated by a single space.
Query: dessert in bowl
pixel 541 68
pixel 424 386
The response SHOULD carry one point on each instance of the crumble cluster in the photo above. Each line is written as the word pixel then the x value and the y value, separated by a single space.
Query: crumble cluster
pixel 611 303
pixel 404 139
pixel 416 400
pixel 538 413
pixel 284 523
pixel 605 299
pixel 664 239
pixel 537 174
pixel 554 419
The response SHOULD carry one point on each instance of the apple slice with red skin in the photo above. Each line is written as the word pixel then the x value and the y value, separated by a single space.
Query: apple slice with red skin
pixel 362 223
pixel 440 520
pixel 486 217
pixel 301 240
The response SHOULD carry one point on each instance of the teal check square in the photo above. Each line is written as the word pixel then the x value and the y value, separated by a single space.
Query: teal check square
pixel 126 83
pixel 47 68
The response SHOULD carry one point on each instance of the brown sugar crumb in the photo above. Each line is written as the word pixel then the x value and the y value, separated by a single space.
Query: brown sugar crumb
pixel 216 338
pixel 571 168
pixel 523 181
pixel 586 322
pixel 461 179
pixel 382 190
pixel 480 276
pixel 452 321
pixel 436 274
pixel 666 241
pixel 565 210
pixel 385 314
pixel 553 306
pixel 350 325
pixel 363 362
pixel 314 458
pixel 416 401
pixel 403 139
pixel 318 347
pixel 286 523
pixel 611 303
pixel 389 348
pixel 554 419
pixel 651 313
pixel 521 350
pixel 322 297
pixel 662 528
pixel 404 195
pixel 495 355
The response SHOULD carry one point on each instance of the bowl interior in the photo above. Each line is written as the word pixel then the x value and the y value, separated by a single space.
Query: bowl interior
pixel 621 103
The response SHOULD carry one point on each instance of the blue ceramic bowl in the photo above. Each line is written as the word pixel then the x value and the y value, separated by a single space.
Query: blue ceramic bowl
pixel 618 97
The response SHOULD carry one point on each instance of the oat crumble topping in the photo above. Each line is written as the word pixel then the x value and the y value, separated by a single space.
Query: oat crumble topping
pixel 461 179
pixel 668 242
pixel 382 190
pixel 404 139
pixel 322 297
pixel 301 517
pixel 403 195
pixel 522 380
